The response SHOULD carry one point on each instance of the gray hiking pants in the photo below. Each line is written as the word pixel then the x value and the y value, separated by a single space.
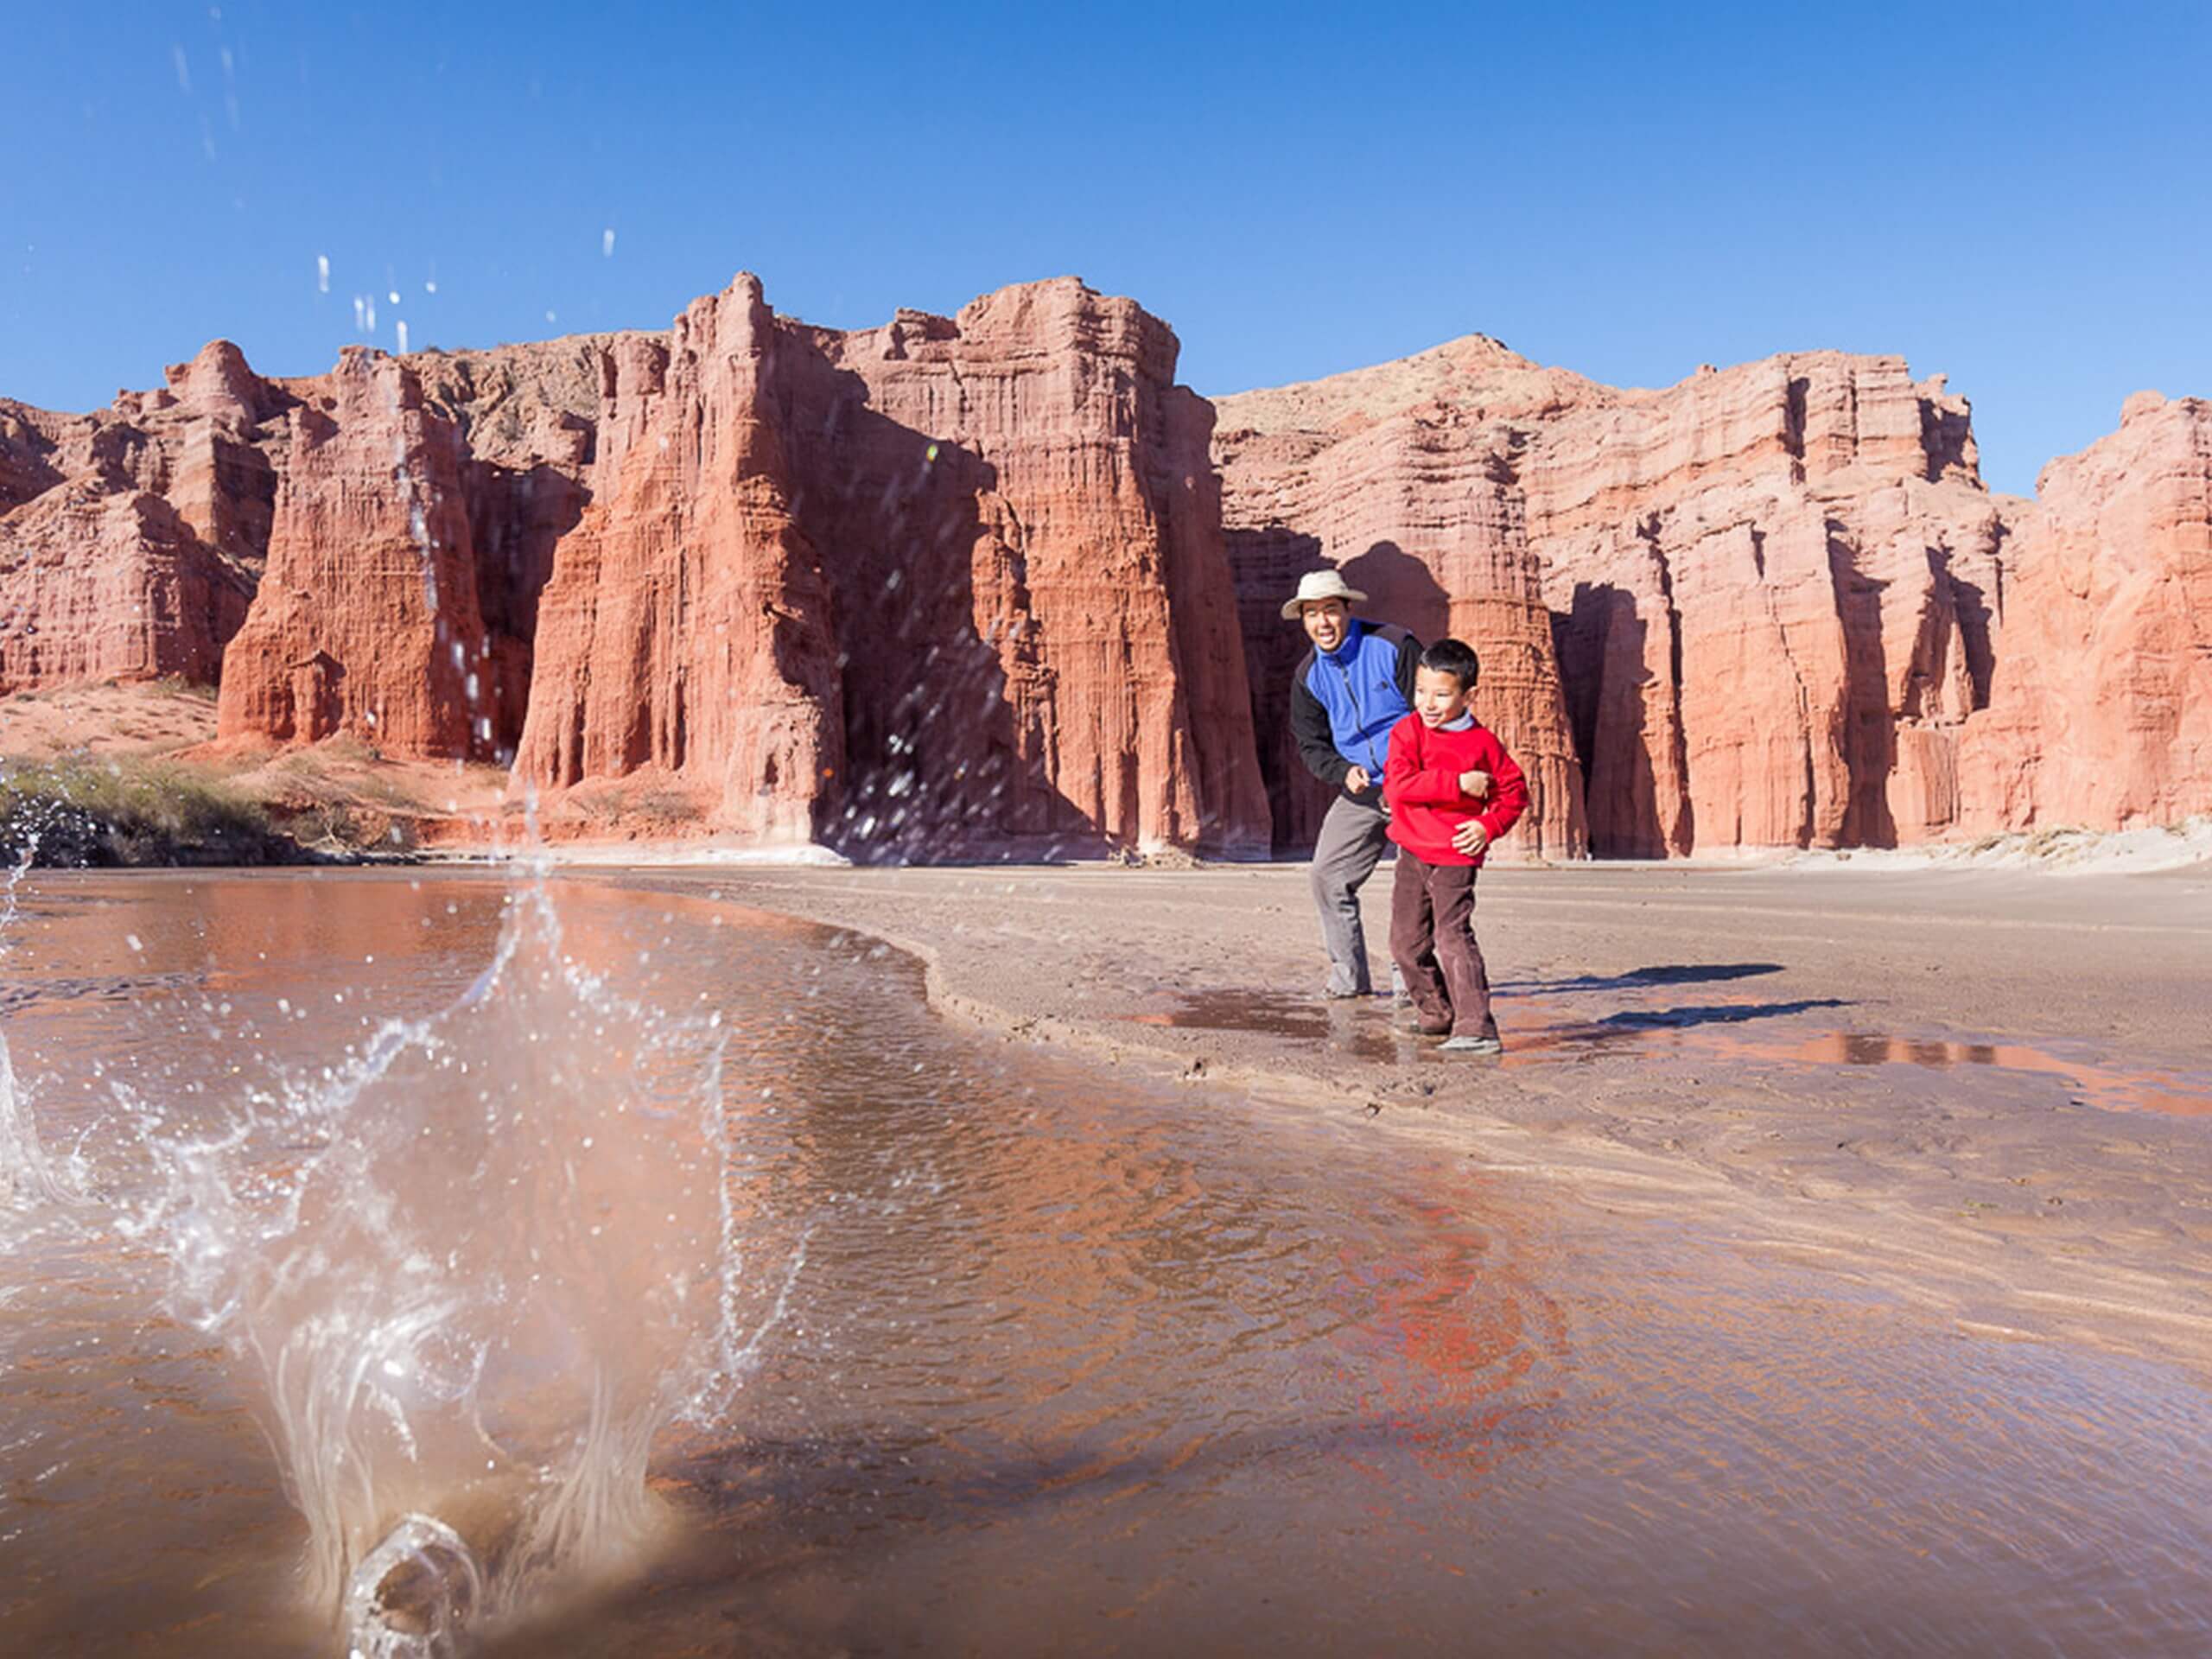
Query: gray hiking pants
pixel 1350 844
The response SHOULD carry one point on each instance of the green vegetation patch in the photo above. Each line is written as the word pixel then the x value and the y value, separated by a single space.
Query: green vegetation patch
pixel 120 812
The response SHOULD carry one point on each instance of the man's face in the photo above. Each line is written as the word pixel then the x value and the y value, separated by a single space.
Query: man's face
pixel 1326 621
pixel 1438 698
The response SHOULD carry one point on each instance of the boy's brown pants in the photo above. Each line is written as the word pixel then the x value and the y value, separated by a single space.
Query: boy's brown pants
pixel 1432 928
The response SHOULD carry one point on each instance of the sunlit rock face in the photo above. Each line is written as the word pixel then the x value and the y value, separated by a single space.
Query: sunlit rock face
pixel 1022 529
pixel 2100 712
pixel 131 538
pixel 366 621
pixel 923 590
pixel 949 585
pixel 134 542
pixel 1407 477
pixel 992 582
pixel 685 637
pixel 1780 609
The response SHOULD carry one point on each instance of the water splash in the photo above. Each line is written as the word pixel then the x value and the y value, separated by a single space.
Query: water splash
pixel 478 1270
pixel 414 1595
pixel 32 1181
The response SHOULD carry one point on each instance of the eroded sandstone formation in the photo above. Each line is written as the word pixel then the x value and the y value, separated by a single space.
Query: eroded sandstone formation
pixel 994 582
pixel 684 635
pixel 1783 610
pixel 2099 707
pixel 1420 506
pixel 924 590
pixel 366 621
pixel 130 538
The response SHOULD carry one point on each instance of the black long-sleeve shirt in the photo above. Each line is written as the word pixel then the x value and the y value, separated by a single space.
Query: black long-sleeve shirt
pixel 1309 718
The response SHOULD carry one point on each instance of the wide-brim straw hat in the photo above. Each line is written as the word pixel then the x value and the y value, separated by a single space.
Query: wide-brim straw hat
pixel 1319 584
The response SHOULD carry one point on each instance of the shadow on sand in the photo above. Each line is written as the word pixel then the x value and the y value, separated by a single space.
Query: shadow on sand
pixel 1674 973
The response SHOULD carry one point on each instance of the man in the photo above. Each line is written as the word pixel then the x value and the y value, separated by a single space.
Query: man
pixel 1354 684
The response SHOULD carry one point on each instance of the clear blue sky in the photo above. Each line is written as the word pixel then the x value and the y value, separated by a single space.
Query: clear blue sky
pixel 2018 195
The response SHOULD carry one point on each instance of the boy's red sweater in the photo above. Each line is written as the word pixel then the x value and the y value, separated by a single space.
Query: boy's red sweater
pixel 1420 781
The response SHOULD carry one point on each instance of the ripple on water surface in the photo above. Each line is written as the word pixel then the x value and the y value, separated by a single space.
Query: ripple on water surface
pixel 1074 1363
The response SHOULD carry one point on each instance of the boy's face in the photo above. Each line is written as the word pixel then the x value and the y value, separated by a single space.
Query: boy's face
pixel 1438 698
pixel 1326 621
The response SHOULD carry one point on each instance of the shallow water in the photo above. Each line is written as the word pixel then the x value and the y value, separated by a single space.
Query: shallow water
pixel 1654 1011
pixel 1073 1364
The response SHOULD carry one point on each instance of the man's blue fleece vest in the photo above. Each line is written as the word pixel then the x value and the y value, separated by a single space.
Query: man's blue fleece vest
pixel 1359 685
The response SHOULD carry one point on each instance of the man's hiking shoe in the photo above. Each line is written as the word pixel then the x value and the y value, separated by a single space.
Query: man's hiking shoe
pixel 1333 995
pixel 1473 1045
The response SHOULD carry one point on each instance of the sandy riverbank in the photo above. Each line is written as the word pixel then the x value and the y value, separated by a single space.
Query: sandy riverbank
pixel 1990 1092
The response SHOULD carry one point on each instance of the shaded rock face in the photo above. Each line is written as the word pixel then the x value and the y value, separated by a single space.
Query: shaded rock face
pixel 1781 609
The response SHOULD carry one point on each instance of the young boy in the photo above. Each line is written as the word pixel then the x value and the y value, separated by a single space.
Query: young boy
pixel 1443 766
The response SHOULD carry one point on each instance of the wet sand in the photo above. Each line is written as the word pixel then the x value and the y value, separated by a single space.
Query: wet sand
pixel 1988 1093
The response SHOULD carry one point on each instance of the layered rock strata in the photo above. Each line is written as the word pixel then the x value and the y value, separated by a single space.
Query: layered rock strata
pixel 964 585
pixel 2100 709
pixel 130 538
pixel 920 591
pixel 312 545
pixel 366 621
pixel 1421 508
pixel 685 635
pixel 1023 523
pixel 1777 594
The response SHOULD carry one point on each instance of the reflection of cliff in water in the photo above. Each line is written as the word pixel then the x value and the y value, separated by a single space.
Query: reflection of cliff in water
pixel 1073 1358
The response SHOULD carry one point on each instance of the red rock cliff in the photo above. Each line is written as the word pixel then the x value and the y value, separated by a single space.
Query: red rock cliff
pixel 130 538
pixel 1785 610
pixel 1411 486
pixel 684 635
pixel 2099 707
pixel 919 590
pixel 970 584
pixel 1023 526
pixel 366 621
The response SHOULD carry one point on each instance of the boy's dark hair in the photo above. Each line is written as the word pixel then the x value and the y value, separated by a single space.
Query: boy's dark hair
pixel 1456 657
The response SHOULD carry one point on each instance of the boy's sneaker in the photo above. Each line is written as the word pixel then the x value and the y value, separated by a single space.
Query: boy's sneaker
pixel 1473 1045
pixel 1410 1018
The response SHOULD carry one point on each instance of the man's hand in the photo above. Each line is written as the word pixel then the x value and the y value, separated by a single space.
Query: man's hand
pixel 1358 779
pixel 1476 784
pixel 1470 838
